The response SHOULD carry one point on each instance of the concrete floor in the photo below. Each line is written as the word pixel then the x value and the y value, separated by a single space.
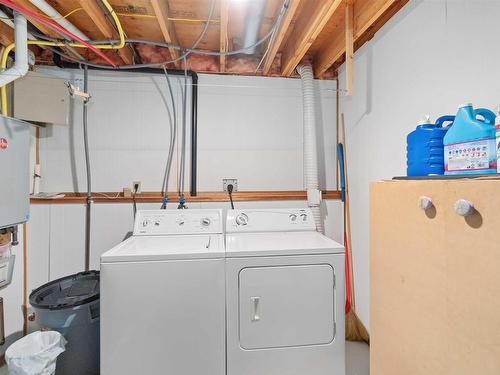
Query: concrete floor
pixel 357 360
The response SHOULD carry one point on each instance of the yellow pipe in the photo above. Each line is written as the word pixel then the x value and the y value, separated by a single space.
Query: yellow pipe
pixel 10 47
pixel 3 89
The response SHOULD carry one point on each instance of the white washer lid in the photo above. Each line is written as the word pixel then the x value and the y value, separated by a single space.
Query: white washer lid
pixel 280 244
pixel 154 248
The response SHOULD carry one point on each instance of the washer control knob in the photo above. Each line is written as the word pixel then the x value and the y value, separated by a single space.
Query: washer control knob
pixel 242 219
pixel 303 217
pixel 205 222
pixel 293 217
pixel 157 223
pixel 425 203
pixel 145 223
pixel 181 222
pixel 464 207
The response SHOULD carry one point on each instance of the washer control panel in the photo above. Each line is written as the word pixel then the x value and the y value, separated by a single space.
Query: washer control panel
pixel 270 220
pixel 169 222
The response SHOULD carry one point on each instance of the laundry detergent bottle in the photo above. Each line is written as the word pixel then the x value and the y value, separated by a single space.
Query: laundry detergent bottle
pixel 469 144
pixel 424 147
pixel 497 126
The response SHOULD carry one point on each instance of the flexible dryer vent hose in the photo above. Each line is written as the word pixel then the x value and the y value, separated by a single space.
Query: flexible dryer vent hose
pixel 310 148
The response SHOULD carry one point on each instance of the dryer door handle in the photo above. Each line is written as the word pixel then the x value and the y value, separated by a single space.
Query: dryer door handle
pixel 255 306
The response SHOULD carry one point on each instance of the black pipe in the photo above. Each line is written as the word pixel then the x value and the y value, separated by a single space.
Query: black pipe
pixel 88 206
pixel 194 134
pixel 194 105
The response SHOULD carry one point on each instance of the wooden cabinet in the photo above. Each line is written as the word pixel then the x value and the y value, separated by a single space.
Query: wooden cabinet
pixel 435 278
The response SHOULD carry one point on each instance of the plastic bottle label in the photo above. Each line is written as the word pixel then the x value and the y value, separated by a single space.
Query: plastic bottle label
pixel 479 155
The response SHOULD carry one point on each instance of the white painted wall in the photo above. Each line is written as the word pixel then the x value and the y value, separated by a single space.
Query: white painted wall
pixel 428 59
pixel 250 128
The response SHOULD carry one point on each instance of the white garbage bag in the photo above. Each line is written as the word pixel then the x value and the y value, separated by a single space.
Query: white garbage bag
pixel 35 354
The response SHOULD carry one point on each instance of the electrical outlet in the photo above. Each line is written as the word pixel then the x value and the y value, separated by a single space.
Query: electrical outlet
pixel 138 184
pixel 229 181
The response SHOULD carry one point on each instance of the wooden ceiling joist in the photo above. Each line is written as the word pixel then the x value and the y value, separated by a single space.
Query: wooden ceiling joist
pixel 224 20
pixel 308 26
pixel 366 14
pixel 167 27
pixel 95 12
pixel 349 47
pixel 6 34
pixel 280 35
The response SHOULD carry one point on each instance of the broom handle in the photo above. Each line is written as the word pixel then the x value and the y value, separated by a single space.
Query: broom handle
pixel 348 213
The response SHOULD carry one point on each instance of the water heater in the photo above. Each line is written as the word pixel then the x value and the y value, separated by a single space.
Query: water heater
pixel 14 172
pixel 14 189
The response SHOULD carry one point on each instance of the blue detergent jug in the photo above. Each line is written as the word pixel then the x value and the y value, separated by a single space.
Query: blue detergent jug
pixel 469 145
pixel 425 149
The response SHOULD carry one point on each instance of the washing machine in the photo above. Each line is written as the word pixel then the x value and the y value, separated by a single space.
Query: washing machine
pixel 284 295
pixel 163 296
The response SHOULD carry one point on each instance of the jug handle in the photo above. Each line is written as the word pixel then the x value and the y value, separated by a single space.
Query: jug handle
pixel 489 117
pixel 440 121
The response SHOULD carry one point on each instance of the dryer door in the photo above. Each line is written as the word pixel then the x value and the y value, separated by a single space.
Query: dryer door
pixel 286 306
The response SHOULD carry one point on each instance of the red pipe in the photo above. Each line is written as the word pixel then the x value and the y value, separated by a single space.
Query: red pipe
pixel 55 26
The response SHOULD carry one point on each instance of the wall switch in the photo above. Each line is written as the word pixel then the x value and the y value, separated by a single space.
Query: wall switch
pixel 229 181
pixel 138 184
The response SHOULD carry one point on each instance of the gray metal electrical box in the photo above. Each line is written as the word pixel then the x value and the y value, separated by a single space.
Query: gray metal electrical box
pixel 41 98
pixel 14 171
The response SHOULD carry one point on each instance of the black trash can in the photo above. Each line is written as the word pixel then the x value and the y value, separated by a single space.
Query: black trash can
pixel 70 306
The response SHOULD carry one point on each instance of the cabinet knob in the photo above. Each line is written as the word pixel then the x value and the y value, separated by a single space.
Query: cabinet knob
pixel 425 202
pixel 463 207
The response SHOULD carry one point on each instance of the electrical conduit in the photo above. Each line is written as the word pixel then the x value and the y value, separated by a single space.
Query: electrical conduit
pixel 310 148
pixel 20 67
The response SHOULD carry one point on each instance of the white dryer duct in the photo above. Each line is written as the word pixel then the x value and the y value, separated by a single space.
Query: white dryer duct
pixel 57 17
pixel 20 67
pixel 310 148
pixel 253 22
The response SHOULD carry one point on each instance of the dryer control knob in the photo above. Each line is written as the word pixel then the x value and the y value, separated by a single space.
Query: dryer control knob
pixel 242 219
pixel 145 223
pixel 304 217
pixel 293 217
pixel 205 222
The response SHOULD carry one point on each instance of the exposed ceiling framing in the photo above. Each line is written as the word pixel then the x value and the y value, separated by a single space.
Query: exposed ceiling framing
pixel 167 27
pixel 94 11
pixel 315 30
pixel 224 21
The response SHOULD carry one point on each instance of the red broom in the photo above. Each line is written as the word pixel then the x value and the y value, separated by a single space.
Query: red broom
pixel 355 330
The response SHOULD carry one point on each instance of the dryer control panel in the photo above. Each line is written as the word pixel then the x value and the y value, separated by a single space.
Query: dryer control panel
pixel 270 220
pixel 171 222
